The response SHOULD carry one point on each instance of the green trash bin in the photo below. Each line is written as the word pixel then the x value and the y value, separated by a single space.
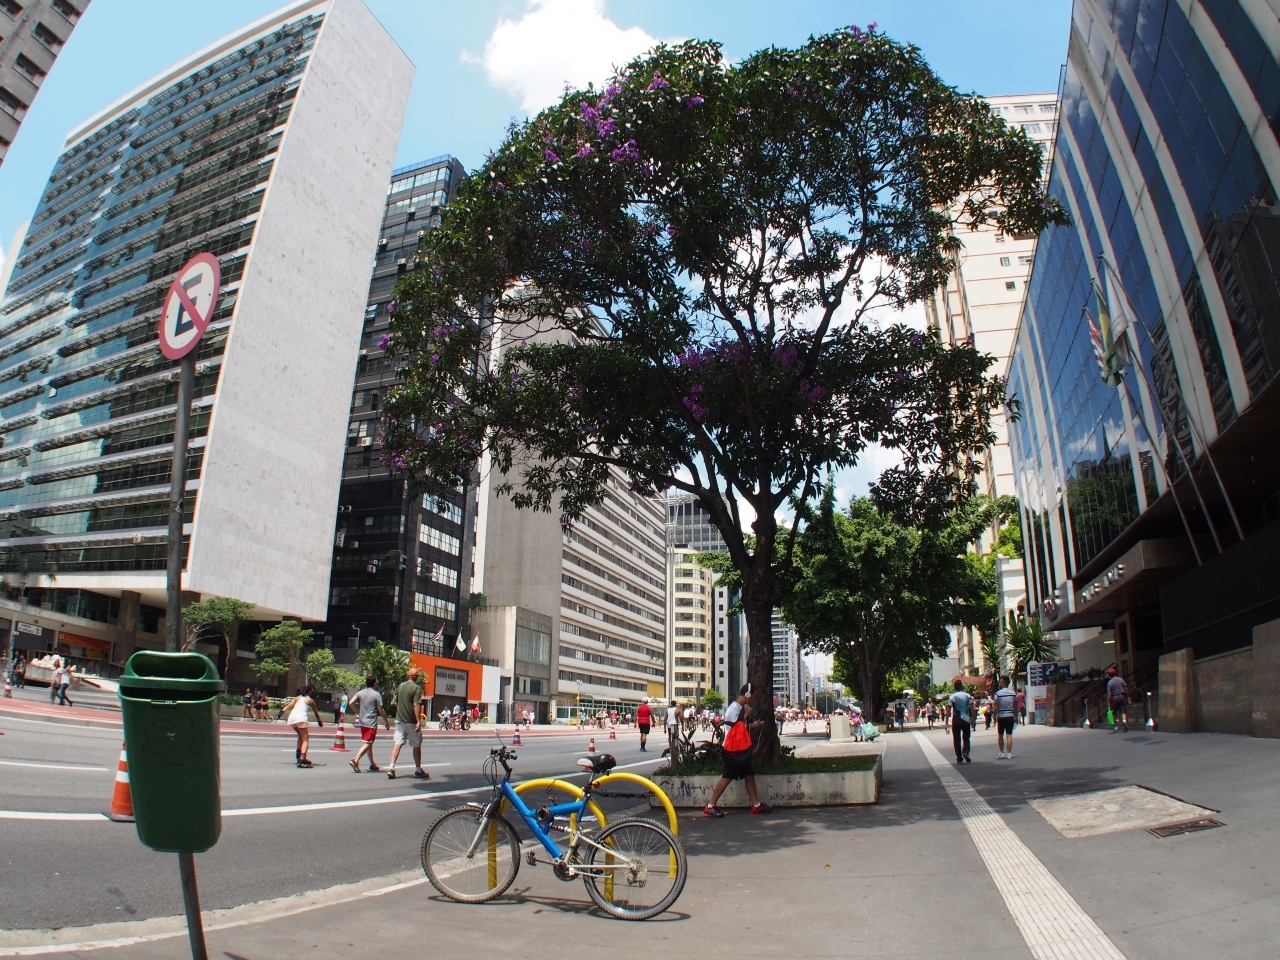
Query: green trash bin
pixel 170 707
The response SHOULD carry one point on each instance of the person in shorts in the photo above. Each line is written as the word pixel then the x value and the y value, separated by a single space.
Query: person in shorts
pixel 408 725
pixel 673 728
pixel 1006 707
pixel 961 705
pixel 644 717
pixel 1118 700
pixel 368 707
pixel 737 755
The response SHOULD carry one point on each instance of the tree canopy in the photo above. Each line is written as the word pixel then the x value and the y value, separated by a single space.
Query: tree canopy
pixel 386 663
pixel 675 277
pixel 279 648
pixel 218 618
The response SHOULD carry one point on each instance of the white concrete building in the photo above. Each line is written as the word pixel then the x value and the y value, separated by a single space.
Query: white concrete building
pixel 981 303
pixel 270 149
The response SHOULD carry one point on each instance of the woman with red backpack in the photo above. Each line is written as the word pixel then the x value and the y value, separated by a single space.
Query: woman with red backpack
pixel 737 755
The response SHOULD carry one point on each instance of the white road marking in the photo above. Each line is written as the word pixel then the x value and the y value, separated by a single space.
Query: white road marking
pixel 394 887
pixel 51 766
pixel 1051 922
pixel 299 807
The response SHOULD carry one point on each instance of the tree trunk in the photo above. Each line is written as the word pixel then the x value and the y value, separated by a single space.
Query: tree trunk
pixel 757 602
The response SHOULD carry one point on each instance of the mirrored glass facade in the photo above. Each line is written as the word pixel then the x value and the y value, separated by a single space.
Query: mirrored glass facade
pixel 1167 159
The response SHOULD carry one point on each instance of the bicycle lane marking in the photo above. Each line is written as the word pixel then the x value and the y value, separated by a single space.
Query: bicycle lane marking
pixel 297 807
pixel 1053 925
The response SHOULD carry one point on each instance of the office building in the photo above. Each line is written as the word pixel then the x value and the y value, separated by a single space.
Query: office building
pixel 401 564
pixel 32 34
pixel 574 615
pixel 980 304
pixel 271 150
pixel 788 664
pixel 1148 503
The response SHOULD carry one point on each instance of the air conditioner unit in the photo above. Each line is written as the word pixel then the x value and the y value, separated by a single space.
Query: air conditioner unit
pixel 372 567
pixel 353 544
pixel 364 353
pixel 339 537
pixel 366 441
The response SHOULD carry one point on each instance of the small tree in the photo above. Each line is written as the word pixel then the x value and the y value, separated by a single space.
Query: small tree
pixel 1027 643
pixel 879 595
pixel 279 648
pixel 387 664
pixel 694 255
pixel 325 675
pixel 712 700
pixel 218 618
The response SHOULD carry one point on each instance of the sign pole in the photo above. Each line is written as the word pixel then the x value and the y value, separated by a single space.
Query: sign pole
pixel 191 900
pixel 177 494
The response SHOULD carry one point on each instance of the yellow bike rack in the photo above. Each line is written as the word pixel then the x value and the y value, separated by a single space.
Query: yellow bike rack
pixel 576 792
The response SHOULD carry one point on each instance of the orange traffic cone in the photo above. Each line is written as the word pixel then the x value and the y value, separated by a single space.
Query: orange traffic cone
pixel 121 800
pixel 591 747
pixel 804 727
pixel 8 690
pixel 340 741
pixel 515 738
pixel 613 732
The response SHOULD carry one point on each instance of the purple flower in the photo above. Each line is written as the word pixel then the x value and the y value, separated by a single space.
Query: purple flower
pixel 917 340
pixel 391 307
pixel 657 83
pixel 588 113
pixel 584 149
pixel 694 101
pixel 787 355
pixel 435 269
pixel 605 126
pixel 384 341
pixel 611 91
pixel 699 412
pixel 435 358
pixel 551 156
pixel 625 152
pixel 650 230
pixel 671 230
pixel 564 521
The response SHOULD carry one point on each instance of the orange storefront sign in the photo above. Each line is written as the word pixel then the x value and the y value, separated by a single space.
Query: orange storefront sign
pixel 449 678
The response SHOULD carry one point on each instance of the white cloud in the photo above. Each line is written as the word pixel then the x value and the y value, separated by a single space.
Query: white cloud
pixel 554 43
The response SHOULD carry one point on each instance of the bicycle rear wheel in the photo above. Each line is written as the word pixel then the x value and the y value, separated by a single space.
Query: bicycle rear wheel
pixel 642 874
pixel 487 871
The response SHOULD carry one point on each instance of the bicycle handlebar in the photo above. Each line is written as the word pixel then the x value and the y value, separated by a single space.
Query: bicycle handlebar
pixel 503 755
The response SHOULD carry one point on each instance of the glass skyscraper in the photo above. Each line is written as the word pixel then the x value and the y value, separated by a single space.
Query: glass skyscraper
pixel 1147 503
pixel 270 150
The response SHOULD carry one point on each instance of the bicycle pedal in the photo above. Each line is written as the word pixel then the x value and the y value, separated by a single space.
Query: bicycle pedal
pixel 531 858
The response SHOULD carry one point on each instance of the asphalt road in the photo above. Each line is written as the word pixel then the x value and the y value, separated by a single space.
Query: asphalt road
pixel 56 873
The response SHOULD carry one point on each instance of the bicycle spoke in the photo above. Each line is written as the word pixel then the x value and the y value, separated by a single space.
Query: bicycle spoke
pixel 641 871
pixel 480 875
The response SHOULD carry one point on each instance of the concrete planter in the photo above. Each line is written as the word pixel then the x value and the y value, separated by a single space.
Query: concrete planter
pixel 781 789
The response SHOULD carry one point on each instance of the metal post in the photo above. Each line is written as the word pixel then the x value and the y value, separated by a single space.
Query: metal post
pixel 177 494
pixel 1151 723
pixel 1086 725
pixel 191 900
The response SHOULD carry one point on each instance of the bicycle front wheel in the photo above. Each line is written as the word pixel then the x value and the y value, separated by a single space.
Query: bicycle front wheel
pixel 641 874
pixel 482 874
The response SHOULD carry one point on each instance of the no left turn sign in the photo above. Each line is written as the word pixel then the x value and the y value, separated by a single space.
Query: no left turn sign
pixel 188 306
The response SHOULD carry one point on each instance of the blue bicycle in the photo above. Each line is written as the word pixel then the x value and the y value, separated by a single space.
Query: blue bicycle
pixel 633 869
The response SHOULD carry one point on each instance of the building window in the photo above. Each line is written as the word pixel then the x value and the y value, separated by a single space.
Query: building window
pixel 1049 108
pixel 1025 261
pixel 11 8
pixel 438 572
pixel 440 540
pixel 450 511
pixel 434 606
pixel 29 69
pixel 1024 109
pixel 533 646
pixel 534 686
pixel 47 37
pixel 11 104
pixel 67 11
pixel 1010 285
pixel 1005 262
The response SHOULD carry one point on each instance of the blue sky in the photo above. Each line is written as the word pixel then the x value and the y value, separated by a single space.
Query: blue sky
pixel 482 62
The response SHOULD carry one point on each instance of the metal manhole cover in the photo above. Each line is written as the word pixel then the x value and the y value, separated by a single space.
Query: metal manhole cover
pixel 1187 826
pixel 1115 809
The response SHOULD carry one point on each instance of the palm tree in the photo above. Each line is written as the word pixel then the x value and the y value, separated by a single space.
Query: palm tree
pixel 994 653
pixel 1028 643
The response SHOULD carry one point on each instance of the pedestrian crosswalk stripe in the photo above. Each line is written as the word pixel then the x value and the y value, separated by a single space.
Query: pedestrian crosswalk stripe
pixel 1051 922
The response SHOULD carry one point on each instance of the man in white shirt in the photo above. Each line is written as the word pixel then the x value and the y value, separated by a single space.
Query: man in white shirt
pixel 673 728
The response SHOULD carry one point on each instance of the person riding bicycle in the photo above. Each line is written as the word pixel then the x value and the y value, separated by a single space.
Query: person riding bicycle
pixel 737 755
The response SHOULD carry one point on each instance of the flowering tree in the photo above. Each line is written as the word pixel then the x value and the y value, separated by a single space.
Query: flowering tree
pixel 678 270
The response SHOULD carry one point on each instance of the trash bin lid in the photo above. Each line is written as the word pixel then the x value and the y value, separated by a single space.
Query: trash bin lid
pixel 152 670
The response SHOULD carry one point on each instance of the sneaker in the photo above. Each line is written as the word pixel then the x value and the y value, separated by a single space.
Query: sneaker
pixel 959 759
pixel 968 759
pixel 391 774
pixel 354 766
pixel 374 768
pixel 710 811
pixel 421 774
pixel 759 808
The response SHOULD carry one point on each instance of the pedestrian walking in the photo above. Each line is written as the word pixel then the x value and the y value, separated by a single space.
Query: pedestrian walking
pixel 961 704
pixel 408 725
pixel 298 710
pixel 673 728
pixel 737 755
pixel 1118 700
pixel 20 673
pixel 54 677
pixel 900 714
pixel 63 677
pixel 644 717
pixel 368 707
pixel 1006 704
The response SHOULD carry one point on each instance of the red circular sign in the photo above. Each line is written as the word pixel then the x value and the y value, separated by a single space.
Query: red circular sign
pixel 188 306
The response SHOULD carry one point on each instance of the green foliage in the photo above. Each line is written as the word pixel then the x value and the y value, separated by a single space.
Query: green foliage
pixel 879 595
pixel 712 699
pixel 1027 643
pixel 219 619
pixel 279 648
pixel 679 270
pixel 325 675
pixel 389 665
pixel 994 654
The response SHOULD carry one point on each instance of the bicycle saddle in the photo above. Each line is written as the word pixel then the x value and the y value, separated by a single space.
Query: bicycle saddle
pixel 601 763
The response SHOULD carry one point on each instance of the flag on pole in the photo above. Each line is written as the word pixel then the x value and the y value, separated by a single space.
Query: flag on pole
pixel 1099 352
pixel 1111 361
pixel 461 644
pixel 475 644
